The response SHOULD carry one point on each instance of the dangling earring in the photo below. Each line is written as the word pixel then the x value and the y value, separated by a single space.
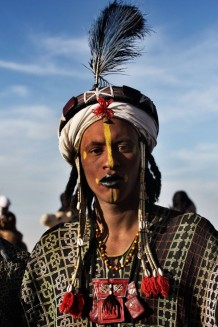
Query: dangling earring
pixel 153 282
pixel 73 300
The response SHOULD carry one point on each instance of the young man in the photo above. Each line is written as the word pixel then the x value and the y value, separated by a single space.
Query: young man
pixel 124 261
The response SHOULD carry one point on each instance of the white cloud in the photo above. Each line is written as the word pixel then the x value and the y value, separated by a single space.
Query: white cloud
pixel 197 161
pixel 202 153
pixel 62 46
pixel 17 90
pixel 45 68
pixel 51 55
pixel 29 122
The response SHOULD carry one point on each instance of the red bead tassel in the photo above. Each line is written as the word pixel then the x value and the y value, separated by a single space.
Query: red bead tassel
pixel 78 305
pixel 155 285
pixel 149 286
pixel 72 304
pixel 164 285
pixel 67 302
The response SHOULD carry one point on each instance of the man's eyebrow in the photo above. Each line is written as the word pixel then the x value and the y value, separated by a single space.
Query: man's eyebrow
pixel 94 143
pixel 124 140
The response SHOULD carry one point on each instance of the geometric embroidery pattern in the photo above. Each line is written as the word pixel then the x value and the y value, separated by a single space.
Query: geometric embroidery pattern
pixel 211 314
pixel 184 245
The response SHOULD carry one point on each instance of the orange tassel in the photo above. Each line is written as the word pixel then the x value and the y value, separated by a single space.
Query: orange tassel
pixel 164 285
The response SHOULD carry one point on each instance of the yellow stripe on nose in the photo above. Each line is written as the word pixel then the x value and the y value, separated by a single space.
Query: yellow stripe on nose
pixel 107 134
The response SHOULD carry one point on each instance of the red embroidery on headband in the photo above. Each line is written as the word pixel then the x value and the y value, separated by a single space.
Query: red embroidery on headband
pixel 103 110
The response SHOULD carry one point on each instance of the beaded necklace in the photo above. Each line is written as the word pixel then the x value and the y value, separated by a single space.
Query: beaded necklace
pixel 102 248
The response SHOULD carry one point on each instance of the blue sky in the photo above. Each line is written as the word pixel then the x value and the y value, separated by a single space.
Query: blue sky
pixel 43 51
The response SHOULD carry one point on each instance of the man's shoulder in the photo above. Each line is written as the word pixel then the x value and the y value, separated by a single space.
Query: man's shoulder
pixel 170 216
pixel 64 233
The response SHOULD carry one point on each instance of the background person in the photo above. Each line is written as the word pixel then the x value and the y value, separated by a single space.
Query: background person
pixel 8 229
pixel 182 202
pixel 63 215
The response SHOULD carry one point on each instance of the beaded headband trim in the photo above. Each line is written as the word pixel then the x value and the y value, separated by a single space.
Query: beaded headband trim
pixel 124 94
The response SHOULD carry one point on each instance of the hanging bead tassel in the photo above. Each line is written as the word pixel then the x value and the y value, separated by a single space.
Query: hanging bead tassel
pixel 78 305
pixel 111 305
pixel 163 283
pixel 146 286
pixel 67 302
pixel 149 283
pixel 73 301
pixel 146 281
pixel 72 304
pixel 155 284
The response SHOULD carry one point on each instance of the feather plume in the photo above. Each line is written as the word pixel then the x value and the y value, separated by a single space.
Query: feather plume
pixel 112 39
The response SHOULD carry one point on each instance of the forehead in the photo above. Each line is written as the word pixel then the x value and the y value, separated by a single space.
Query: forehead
pixel 119 129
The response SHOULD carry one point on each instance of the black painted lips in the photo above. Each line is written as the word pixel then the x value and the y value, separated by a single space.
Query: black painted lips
pixel 111 181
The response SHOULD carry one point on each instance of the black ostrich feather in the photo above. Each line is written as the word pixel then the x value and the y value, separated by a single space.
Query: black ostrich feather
pixel 112 39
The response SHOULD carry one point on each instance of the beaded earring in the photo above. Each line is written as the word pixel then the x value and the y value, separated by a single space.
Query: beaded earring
pixel 154 282
pixel 73 300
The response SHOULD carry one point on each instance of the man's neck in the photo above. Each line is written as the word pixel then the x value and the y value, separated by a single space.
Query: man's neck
pixel 122 226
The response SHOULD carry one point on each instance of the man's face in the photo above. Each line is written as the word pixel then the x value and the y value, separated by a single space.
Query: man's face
pixel 110 158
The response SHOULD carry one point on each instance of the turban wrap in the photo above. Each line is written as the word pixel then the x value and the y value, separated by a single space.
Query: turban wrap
pixel 71 133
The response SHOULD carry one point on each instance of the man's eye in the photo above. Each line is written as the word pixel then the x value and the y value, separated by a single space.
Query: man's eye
pixel 96 151
pixel 125 147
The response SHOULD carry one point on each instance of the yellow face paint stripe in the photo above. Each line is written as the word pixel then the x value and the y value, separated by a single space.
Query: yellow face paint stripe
pixel 84 155
pixel 113 195
pixel 107 134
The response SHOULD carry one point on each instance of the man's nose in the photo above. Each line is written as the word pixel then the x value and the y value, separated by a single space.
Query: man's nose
pixel 111 159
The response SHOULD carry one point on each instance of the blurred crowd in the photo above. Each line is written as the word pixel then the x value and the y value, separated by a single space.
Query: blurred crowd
pixel 8 229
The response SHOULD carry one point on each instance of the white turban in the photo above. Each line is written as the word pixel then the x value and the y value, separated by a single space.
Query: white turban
pixel 71 134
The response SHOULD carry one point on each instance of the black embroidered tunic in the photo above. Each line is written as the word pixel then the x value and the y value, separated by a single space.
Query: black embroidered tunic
pixel 184 245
